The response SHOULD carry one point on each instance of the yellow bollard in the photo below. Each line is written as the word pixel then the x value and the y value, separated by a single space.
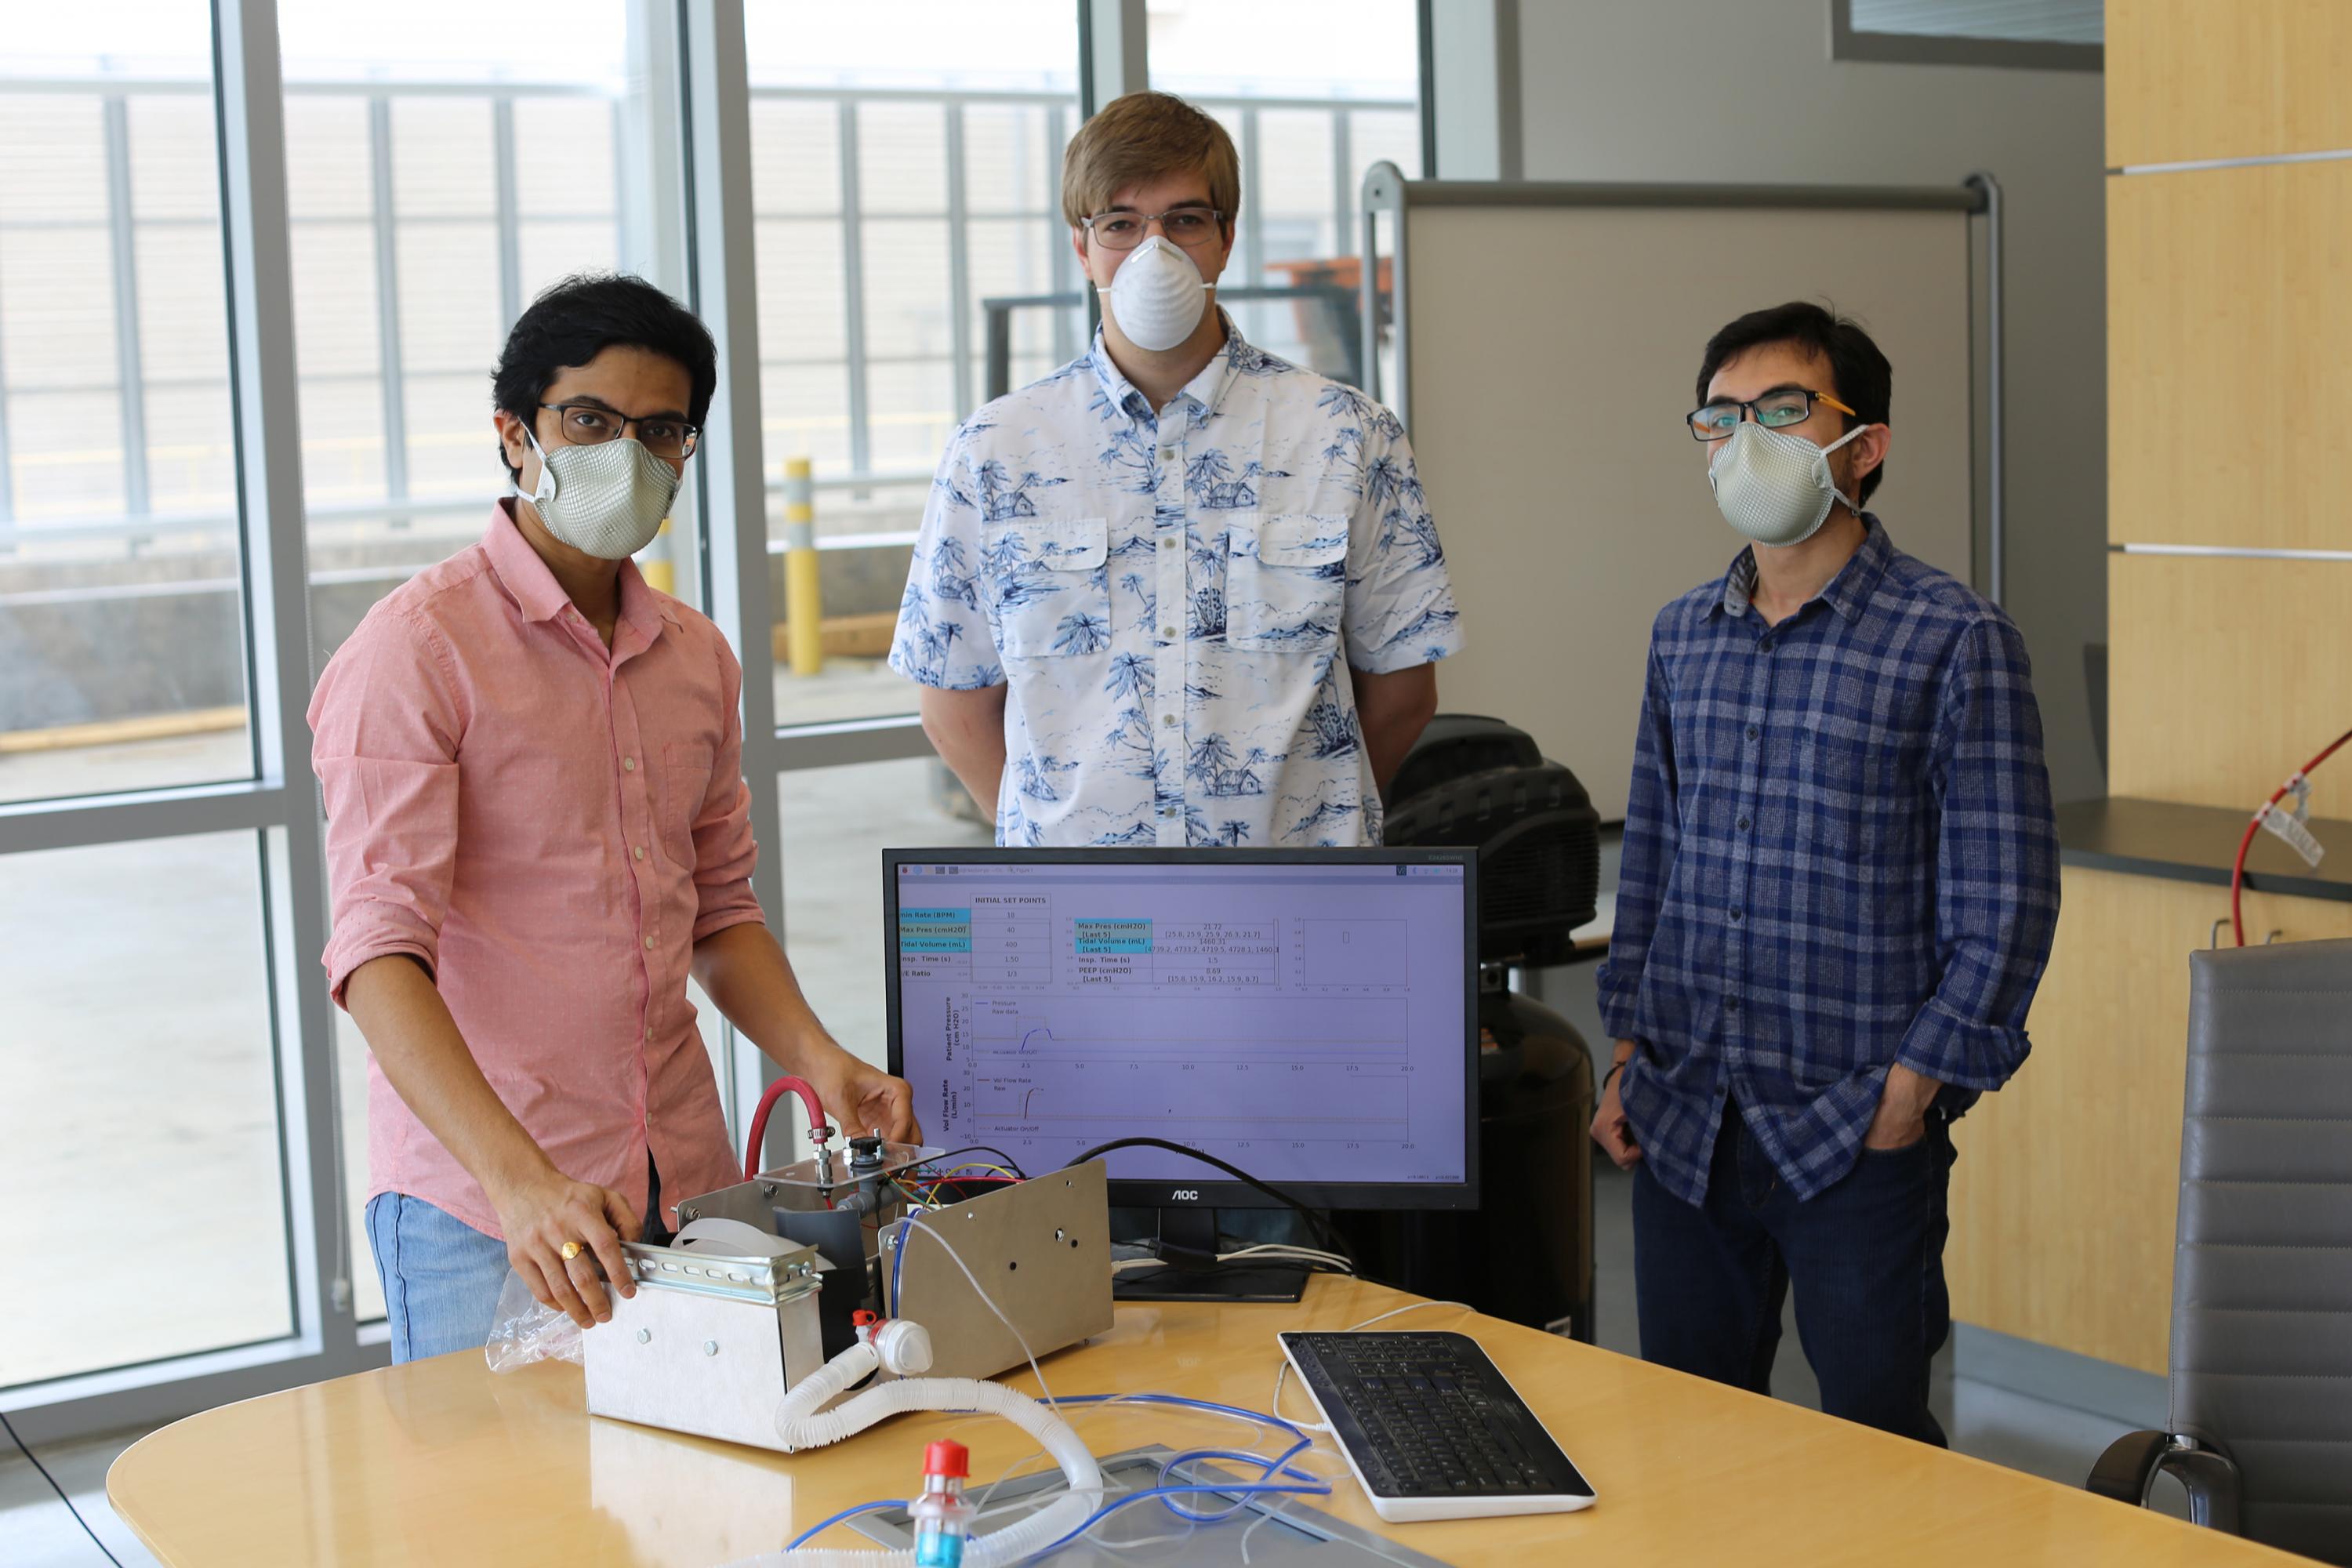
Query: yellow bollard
pixel 660 571
pixel 803 599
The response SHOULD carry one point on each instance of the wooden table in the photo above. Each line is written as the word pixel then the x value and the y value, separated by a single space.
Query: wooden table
pixel 442 1463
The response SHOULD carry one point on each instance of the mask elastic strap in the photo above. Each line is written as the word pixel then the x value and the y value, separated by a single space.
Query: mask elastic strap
pixel 1851 504
pixel 546 490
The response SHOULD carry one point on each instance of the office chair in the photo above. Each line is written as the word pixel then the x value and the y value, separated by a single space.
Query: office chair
pixel 2261 1420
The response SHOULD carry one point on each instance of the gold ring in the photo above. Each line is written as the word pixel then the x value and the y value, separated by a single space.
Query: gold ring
pixel 571 1250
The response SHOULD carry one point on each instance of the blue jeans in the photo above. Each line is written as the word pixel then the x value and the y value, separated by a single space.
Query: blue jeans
pixel 441 1277
pixel 1866 1256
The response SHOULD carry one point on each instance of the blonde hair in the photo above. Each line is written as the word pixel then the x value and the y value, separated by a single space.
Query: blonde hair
pixel 1144 136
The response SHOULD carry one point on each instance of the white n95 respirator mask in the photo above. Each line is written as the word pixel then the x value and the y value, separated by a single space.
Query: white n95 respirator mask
pixel 1157 296
pixel 608 499
pixel 1774 487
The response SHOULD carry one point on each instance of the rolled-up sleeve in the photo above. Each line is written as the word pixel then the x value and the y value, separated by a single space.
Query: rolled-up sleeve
pixel 386 724
pixel 1400 612
pixel 725 848
pixel 1995 867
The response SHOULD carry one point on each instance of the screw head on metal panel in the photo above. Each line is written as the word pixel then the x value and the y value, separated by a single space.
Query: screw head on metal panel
pixel 689 1212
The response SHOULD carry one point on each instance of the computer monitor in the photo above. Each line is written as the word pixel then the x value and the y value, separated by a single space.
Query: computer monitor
pixel 1307 1016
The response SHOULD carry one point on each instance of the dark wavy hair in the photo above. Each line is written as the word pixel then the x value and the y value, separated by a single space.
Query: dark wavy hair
pixel 1859 370
pixel 577 319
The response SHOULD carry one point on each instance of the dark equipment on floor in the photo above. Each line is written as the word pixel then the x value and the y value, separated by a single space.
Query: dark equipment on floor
pixel 1526 1254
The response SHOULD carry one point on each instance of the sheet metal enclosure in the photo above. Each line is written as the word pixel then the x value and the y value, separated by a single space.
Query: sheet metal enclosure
pixel 1041 1247
pixel 709 1343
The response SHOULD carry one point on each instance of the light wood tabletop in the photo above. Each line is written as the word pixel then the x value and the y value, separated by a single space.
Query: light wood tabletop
pixel 444 1463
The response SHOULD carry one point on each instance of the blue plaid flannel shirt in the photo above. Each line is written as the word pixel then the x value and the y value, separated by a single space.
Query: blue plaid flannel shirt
pixel 1838 855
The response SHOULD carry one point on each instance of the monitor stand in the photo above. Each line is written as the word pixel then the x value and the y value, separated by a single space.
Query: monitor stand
pixel 1196 1230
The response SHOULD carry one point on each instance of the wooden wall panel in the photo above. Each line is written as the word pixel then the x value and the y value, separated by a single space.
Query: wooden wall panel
pixel 2230 356
pixel 2064 1200
pixel 2225 674
pixel 2226 79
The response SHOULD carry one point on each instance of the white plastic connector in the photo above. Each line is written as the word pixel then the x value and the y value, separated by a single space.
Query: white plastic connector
pixel 905 1347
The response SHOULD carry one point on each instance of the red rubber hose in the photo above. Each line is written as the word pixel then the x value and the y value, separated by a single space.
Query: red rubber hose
pixel 818 1131
pixel 2238 868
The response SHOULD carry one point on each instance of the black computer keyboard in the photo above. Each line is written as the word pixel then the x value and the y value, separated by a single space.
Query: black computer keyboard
pixel 1431 1428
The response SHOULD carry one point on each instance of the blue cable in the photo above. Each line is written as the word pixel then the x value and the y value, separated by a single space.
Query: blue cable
pixel 823 1525
pixel 1279 1465
pixel 1243 1489
pixel 1310 1485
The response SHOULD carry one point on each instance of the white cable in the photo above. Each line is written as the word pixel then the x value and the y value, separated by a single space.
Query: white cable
pixel 1283 1373
pixel 910 1222
pixel 1288 1249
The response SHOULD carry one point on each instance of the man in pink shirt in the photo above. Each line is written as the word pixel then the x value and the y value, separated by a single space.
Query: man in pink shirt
pixel 537 830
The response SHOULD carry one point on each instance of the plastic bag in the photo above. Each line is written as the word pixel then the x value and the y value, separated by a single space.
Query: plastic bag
pixel 524 1332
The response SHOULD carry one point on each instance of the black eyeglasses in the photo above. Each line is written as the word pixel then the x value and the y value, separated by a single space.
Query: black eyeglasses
pixel 588 425
pixel 1774 411
pixel 1186 226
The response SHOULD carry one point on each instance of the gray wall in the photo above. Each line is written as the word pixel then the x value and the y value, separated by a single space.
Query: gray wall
pixel 1745 90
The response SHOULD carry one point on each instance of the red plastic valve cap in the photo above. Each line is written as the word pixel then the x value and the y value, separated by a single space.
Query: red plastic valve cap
pixel 863 1319
pixel 947 1457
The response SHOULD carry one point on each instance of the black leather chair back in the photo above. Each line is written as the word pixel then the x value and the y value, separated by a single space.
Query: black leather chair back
pixel 2261 1294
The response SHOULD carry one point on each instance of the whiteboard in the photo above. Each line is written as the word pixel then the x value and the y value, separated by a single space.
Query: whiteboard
pixel 1549 354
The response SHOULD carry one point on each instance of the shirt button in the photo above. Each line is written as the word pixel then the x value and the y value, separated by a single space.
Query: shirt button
pixel 649 1037
pixel 1167 454
pixel 1735 917
pixel 649 941
pixel 628 764
pixel 1168 632
pixel 1743 825
pixel 1168 720
pixel 639 851
pixel 1731 1005
pixel 1765 644
pixel 1751 731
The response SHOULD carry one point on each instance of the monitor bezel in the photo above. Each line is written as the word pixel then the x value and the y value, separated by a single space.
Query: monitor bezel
pixel 1214 1189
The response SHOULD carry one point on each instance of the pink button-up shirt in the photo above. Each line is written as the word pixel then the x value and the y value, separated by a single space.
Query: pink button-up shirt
pixel 548 827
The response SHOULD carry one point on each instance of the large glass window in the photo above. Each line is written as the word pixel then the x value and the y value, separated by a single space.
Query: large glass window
pixel 440 174
pixel 1312 97
pixel 122 647
pixel 438 168
pixel 139 1124
pixel 907 170
pixel 835 823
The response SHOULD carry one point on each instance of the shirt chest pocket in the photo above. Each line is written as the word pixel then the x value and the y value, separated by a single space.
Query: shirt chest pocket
pixel 1048 585
pixel 1287 583
pixel 685 784
pixel 1859 786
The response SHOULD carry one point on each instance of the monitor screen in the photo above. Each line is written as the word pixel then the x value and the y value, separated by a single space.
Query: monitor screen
pixel 1306 1016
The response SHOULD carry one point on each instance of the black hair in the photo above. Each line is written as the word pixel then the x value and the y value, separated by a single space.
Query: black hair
pixel 578 318
pixel 1862 378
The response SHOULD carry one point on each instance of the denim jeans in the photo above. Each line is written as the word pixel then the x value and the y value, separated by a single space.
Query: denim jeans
pixel 1865 1256
pixel 441 1277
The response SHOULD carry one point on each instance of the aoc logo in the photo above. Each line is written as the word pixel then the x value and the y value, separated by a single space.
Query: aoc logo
pixel 1185 1195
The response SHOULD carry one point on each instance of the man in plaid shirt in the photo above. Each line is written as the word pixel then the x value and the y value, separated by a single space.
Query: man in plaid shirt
pixel 1839 886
